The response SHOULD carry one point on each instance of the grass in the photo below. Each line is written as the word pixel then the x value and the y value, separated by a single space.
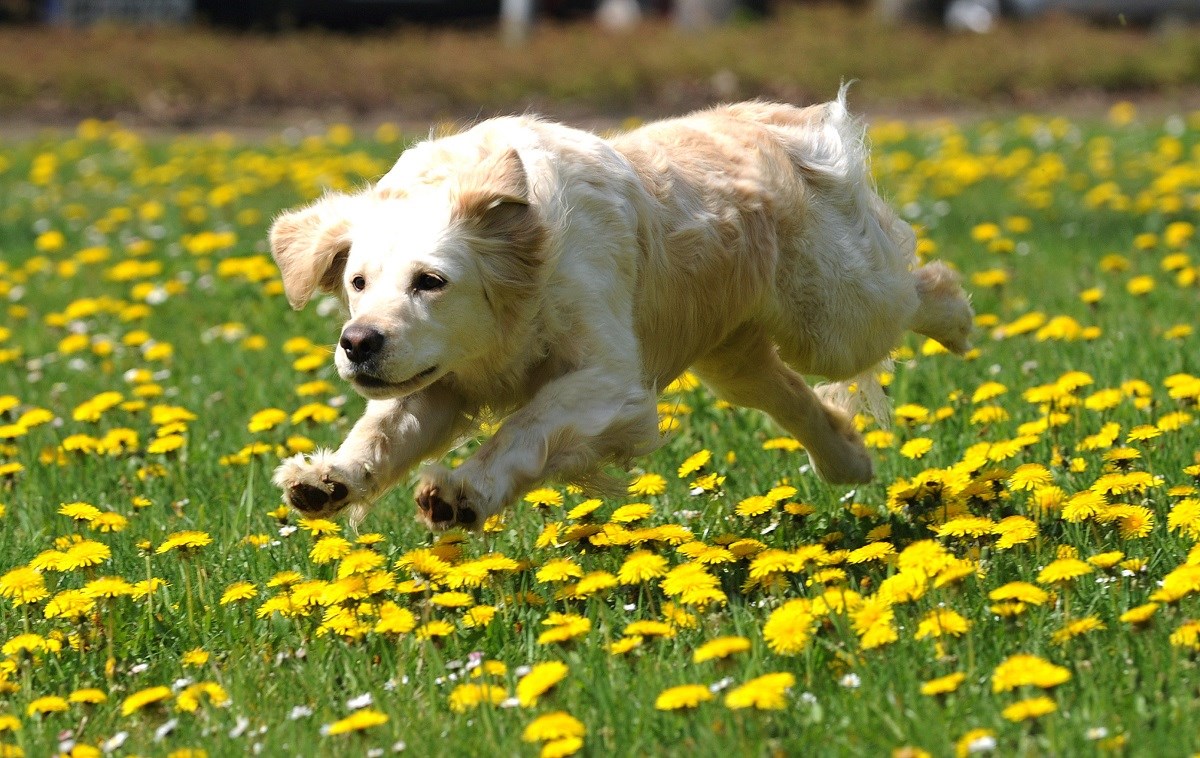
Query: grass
pixel 181 75
pixel 137 267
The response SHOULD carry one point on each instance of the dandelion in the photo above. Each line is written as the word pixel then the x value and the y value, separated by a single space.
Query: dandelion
pixel 143 698
pixel 434 629
pixel 558 570
pixel 355 722
pixel 195 657
pixel 555 725
pixel 266 419
pixel 789 628
pixel 184 541
pixel 767 692
pixel 1139 615
pixel 1076 628
pixel 43 706
pixel 79 511
pixel 465 697
pixel 544 498
pixel 1032 708
pixel 23 585
pixel 238 592
pixel 721 647
pixel 642 566
pixel 682 696
pixel 647 485
pixel 1063 570
pixel 942 622
pixel 540 679
pixel 1027 670
pixel 916 448
pixel 88 696
pixel 943 685
pixel 694 463
pixel 630 513
pixel 564 627
pixel 107 587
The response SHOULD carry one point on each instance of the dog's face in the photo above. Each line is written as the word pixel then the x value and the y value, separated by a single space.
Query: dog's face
pixel 432 275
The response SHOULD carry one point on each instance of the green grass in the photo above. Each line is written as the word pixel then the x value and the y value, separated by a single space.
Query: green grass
pixel 215 301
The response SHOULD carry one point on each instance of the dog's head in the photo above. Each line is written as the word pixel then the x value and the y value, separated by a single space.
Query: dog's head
pixel 434 275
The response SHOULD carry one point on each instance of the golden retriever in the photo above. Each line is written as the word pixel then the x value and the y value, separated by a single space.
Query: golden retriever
pixel 555 279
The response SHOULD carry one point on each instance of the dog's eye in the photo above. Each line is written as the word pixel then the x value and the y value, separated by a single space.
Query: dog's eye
pixel 427 282
pixel 358 283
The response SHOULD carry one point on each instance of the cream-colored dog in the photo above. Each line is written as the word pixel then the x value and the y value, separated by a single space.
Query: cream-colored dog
pixel 557 280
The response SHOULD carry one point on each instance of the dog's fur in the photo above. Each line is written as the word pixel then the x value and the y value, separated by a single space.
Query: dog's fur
pixel 575 276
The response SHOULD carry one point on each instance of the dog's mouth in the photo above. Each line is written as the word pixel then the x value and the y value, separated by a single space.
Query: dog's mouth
pixel 375 384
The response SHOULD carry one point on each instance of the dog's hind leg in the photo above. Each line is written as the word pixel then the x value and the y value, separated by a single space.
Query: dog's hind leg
pixel 945 313
pixel 747 370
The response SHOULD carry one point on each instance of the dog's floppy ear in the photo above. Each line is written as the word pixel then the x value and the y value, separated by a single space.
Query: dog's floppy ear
pixel 508 236
pixel 493 201
pixel 310 246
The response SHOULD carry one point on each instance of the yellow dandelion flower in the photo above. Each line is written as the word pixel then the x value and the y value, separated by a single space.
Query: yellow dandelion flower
pixel 394 620
pixel 544 498
pixel 1075 628
pixel 1031 708
pixel 45 705
pixel 540 679
pixel 237 592
pixel 942 621
pixel 355 722
pixel 625 644
pixel 790 627
pixel 943 685
pixel 564 627
pixel 647 485
pixel 195 657
pixel 642 566
pixel 694 463
pixel 184 541
pixel 465 697
pixel 630 513
pixel 88 696
pixel 1023 670
pixel 720 647
pixel 1063 570
pixel 143 698
pixel 561 748
pixel 23 585
pixel 556 725
pixel 767 692
pixel 265 419
pixel 682 696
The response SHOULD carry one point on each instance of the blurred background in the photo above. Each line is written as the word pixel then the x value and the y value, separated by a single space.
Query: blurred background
pixel 184 63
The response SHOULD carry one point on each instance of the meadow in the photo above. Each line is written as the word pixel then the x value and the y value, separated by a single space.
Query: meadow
pixel 1022 578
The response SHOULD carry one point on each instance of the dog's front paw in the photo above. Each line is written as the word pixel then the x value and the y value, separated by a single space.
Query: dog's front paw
pixel 444 503
pixel 314 485
pixel 845 460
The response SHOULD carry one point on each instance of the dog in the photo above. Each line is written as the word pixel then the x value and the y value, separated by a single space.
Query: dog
pixel 543 275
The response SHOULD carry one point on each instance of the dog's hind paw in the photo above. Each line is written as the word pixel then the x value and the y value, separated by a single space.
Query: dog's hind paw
pixel 843 458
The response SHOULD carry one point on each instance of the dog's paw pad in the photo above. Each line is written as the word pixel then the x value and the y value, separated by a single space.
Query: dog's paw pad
pixel 438 513
pixel 308 497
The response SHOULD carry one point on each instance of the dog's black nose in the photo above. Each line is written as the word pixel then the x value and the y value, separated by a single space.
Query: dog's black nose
pixel 361 343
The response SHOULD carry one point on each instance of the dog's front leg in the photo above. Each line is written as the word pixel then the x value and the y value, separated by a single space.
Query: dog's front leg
pixel 391 438
pixel 570 427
